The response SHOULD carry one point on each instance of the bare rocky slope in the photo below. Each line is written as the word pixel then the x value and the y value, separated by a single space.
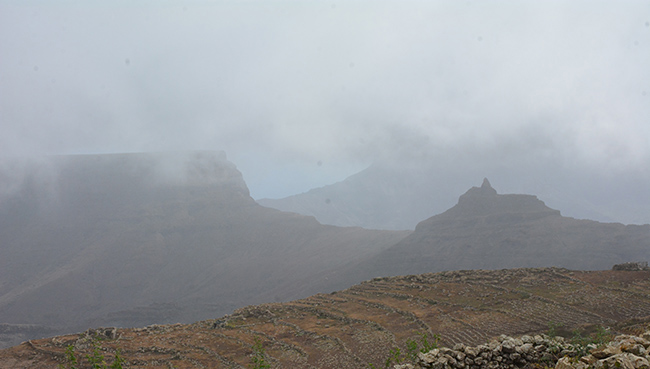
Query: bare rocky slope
pixel 362 324
pixel 135 239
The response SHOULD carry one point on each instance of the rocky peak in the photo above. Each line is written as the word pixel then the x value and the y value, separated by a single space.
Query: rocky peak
pixel 485 190
pixel 486 185
pixel 484 201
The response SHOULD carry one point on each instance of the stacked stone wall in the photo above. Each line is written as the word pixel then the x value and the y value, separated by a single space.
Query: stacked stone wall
pixel 623 352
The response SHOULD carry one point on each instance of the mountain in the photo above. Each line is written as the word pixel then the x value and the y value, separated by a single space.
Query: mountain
pixel 486 230
pixel 399 194
pixel 135 239
pixel 362 324
pixel 377 198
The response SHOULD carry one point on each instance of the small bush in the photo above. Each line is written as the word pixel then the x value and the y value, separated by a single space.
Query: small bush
pixel 258 357
pixel 96 358
pixel 413 347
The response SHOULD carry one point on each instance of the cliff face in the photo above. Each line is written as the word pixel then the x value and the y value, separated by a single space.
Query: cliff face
pixel 135 239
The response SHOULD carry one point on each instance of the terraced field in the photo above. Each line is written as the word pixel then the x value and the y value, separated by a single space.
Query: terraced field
pixel 360 325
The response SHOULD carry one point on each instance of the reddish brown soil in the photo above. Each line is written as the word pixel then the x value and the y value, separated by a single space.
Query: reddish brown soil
pixel 357 326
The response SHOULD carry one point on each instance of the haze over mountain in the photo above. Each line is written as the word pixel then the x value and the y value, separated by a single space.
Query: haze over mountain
pixel 396 194
pixel 486 230
pixel 135 239
pixel 303 96
pixel 548 98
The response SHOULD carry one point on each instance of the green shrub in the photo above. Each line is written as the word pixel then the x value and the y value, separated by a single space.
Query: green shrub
pixel 96 358
pixel 70 358
pixel 553 328
pixel 258 357
pixel 413 347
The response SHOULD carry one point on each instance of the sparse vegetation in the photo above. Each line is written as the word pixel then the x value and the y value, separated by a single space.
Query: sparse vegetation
pixel 95 359
pixel 70 358
pixel 599 336
pixel 412 349
pixel 258 357
pixel 119 361
pixel 553 328
pixel 396 356
pixel 426 345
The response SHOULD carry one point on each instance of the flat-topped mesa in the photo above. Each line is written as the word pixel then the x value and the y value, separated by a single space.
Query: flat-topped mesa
pixel 86 187
pixel 484 201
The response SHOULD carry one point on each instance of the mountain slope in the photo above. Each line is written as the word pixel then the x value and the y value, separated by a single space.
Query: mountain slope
pixel 360 325
pixel 486 230
pixel 135 239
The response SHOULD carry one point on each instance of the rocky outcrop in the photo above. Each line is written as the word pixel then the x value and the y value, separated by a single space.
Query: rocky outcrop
pixel 625 352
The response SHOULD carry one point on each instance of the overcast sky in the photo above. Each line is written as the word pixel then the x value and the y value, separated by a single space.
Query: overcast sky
pixel 303 93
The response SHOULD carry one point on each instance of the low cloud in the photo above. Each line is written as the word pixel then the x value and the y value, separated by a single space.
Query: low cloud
pixel 282 86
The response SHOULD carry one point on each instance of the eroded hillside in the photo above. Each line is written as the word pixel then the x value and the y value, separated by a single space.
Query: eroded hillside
pixel 360 325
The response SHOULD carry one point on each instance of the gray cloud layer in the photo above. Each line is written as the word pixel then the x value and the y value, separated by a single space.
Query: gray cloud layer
pixel 283 85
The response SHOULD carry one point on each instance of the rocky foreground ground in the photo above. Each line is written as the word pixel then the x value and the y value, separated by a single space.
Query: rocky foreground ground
pixel 366 324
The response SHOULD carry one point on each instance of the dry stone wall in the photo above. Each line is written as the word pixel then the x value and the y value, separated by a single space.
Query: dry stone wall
pixel 624 352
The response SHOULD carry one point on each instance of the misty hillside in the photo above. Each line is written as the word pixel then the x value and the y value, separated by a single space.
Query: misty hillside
pixel 486 230
pixel 135 239
pixel 376 198
pixel 362 324
pixel 399 194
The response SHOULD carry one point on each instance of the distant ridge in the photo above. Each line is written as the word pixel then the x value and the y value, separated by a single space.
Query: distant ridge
pixel 486 230
pixel 378 197
pixel 398 194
